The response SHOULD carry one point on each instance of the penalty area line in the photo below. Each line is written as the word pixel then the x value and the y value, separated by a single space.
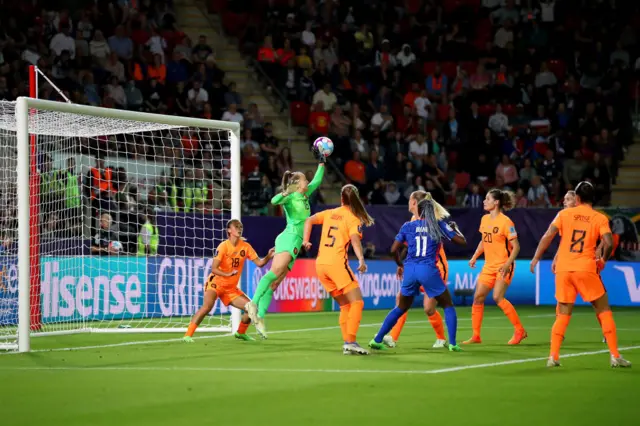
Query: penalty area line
pixel 312 370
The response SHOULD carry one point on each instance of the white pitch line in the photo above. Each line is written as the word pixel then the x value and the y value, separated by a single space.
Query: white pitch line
pixel 217 336
pixel 312 370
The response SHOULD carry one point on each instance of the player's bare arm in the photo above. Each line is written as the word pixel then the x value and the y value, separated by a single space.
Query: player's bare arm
pixel 217 271
pixel 308 224
pixel 356 243
pixel 260 262
pixel 515 250
pixel 397 250
pixel 458 239
pixel 607 246
pixel 543 245
pixel 476 255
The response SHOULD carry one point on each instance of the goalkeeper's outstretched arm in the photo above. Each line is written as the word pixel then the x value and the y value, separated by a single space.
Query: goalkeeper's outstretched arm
pixel 316 181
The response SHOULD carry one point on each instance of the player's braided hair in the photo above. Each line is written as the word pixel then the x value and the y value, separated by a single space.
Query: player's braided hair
pixel 427 213
pixel 351 199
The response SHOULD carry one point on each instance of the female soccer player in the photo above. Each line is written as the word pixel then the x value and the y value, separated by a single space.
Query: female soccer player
pixel 423 238
pixel 223 281
pixel 580 229
pixel 435 319
pixel 500 246
pixel 294 198
pixel 340 228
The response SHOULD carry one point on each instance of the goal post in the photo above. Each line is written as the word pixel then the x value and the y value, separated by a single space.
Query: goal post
pixel 125 292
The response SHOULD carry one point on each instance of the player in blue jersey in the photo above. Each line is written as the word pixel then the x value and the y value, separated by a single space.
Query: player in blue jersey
pixel 423 238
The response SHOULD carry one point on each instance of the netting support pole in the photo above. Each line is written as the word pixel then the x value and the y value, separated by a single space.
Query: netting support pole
pixel 24 272
pixel 236 199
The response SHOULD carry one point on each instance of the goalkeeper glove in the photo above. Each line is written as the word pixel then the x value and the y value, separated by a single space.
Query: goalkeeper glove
pixel 319 156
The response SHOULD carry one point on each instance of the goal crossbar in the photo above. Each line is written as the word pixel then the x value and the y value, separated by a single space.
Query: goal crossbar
pixel 26 125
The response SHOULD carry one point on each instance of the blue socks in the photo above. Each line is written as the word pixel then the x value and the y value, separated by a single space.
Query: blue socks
pixel 391 320
pixel 451 319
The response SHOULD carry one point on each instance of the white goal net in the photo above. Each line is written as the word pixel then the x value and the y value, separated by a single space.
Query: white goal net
pixel 124 212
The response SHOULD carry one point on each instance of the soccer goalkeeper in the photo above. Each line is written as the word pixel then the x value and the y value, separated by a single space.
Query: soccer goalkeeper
pixel 294 198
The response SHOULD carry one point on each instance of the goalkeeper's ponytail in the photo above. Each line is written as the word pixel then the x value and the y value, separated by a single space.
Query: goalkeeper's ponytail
pixel 290 178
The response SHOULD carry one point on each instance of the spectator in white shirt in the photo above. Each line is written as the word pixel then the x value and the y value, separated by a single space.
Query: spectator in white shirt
pixel 247 139
pixel 198 96
pixel 157 44
pixel 423 105
pixel 545 77
pixel 504 35
pixel 359 144
pixel 308 37
pixel 116 92
pixel 326 96
pixel 419 151
pixel 233 115
pixel 382 120
pixel 63 41
pixel 406 57
pixel 499 122
pixel 538 195
pixel 99 48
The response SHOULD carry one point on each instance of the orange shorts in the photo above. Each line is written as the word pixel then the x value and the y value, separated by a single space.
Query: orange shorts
pixel 336 279
pixel 587 284
pixel 489 279
pixel 227 294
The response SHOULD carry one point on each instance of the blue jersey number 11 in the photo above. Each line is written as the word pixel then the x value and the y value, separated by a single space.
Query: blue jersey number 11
pixel 423 246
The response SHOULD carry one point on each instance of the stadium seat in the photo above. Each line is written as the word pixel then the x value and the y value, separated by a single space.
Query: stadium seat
pixel 428 68
pixel 469 66
pixel 462 180
pixel 217 6
pixel 487 110
pixel 442 112
pixel 233 23
pixel 558 67
pixel 299 113
pixel 450 69
pixel 509 109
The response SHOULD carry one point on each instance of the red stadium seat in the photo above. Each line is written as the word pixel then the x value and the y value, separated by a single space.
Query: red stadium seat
pixel 450 69
pixel 558 67
pixel 217 6
pixel 428 68
pixel 442 112
pixel 469 66
pixel 299 113
pixel 509 109
pixel 462 180
pixel 233 23
pixel 487 110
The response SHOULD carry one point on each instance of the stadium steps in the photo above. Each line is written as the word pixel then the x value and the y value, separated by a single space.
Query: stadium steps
pixel 194 20
pixel 626 191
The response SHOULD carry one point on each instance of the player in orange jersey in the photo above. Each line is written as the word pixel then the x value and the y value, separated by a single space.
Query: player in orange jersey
pixel 435 319
pixel 342 227
pixel 580 229
pixel 500 246
pixel 223 281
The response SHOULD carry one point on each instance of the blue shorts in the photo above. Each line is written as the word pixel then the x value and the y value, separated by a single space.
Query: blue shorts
pixel 429 278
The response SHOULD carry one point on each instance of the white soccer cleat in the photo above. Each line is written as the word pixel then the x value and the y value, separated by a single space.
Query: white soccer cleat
pixel 388 341
pixel 252 310
pixel 553 362
pixel 354 349
pixel 440 343
pixel 619 362
pixel 260 328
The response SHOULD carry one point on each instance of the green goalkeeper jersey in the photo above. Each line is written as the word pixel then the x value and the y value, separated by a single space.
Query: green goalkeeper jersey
pixel 296 205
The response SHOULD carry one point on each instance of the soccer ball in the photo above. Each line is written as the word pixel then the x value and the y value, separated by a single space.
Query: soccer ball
pixel 324 145
pixel 115 245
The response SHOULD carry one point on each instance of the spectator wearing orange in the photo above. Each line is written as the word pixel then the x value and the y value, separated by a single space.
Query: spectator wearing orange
pixel 318 121
pixel 437 84
pixel 158 70
pixel 285 53
pixel 355 171
pixel 267 57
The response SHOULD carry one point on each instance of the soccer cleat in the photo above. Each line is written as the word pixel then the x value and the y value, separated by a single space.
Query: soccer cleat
pixel 354 348
pixel 619 362
pixel 454 348
pixel 473 340
pixel 518 337
pixel 551 362
pixel 244 337
pixel 260 328
pixel 378 346
pixel 252 310
pixel 389 342
pixel 187 339
pixel 440 343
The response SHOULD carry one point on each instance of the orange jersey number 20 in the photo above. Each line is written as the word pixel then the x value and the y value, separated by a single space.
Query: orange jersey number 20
pixel 497 234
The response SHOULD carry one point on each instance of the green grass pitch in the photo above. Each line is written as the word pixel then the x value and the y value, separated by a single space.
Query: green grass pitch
pixel 300 377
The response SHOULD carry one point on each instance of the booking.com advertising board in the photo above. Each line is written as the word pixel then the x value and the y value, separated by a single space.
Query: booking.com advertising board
pixel 100 288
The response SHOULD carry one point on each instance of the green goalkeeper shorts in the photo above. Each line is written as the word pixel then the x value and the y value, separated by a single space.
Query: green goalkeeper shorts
pixel 290 243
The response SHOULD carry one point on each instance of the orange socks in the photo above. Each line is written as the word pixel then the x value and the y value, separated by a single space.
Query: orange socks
pixel 397 329
pixel 242 328
pixel 609 331
pixel 557 334
pixel 191 329
pixel 438 325
pixel 477 313
pixel 342 320
pixel 511 313
pixel 353 320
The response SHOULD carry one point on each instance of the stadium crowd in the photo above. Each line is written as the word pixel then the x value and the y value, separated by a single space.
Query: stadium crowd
pixel 455 96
